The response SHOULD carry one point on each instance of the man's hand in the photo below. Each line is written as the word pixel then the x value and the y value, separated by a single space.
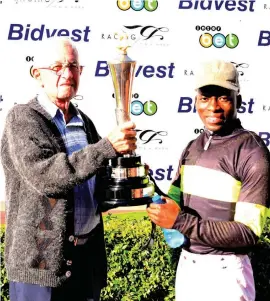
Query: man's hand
pixel 123 137
pixel 164 215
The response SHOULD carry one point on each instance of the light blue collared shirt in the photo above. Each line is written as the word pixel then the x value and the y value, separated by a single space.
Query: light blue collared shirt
pixel 73 133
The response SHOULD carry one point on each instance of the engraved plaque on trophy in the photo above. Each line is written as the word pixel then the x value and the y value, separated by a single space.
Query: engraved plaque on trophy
pixel 128 183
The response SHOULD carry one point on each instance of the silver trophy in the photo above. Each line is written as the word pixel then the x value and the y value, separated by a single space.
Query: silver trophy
pixel 127 183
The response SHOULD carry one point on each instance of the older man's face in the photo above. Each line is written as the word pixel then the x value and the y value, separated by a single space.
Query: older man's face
pixel 60 79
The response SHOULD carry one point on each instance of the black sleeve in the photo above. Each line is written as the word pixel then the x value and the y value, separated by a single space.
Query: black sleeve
pixel 250 213
pixel 217 234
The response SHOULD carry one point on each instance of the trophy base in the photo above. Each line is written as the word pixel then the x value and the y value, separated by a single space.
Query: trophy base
pixel 127 184
pixel 111 204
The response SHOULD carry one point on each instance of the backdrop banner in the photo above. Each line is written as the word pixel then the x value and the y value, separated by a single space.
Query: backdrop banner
pixel 168 40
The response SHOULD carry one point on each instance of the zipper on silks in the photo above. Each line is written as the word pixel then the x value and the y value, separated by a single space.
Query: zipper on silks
pixel 207 144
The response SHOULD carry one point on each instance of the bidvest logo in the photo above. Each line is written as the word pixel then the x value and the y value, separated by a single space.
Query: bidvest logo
pixel 228 5
pixel 20 32
pixel 187 105
pixel 102 70
pixel 265 137
pixel 160 174
pixel 264 38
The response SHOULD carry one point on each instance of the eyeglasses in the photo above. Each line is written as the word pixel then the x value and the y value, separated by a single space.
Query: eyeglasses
pixel 59 69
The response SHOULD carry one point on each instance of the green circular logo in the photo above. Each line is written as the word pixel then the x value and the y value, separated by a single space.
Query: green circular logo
pixel 232 40
pixel 150 108
pixel 150 5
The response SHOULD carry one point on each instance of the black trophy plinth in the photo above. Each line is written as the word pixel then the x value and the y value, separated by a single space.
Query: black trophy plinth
pixel 126 183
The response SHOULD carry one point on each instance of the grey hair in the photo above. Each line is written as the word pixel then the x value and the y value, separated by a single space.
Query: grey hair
pixel 48 48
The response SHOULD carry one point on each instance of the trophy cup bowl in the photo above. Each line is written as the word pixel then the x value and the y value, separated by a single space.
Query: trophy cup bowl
pixel 127 182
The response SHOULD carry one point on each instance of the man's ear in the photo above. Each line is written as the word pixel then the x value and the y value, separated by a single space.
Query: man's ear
pixel 35 73
pixel 238 101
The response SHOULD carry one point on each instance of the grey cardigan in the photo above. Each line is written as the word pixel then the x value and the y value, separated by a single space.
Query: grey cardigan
pixel 39 181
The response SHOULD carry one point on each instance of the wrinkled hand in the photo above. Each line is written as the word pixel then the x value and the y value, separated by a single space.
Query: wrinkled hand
pixel 164 215
pixel 123 137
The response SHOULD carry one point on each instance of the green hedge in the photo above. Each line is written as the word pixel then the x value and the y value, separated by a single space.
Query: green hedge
pixel 136 274
pixel 148 275
pixel 260 259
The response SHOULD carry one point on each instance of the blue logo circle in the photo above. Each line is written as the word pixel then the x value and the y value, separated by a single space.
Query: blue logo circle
pixel 137 4
pixel 136 108
pixel 219 40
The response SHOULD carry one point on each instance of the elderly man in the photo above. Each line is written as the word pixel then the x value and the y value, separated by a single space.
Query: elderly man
pixel 51 153
pixel 222 187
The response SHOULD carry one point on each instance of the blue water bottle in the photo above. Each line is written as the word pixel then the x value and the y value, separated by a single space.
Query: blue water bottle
pixel 173 237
